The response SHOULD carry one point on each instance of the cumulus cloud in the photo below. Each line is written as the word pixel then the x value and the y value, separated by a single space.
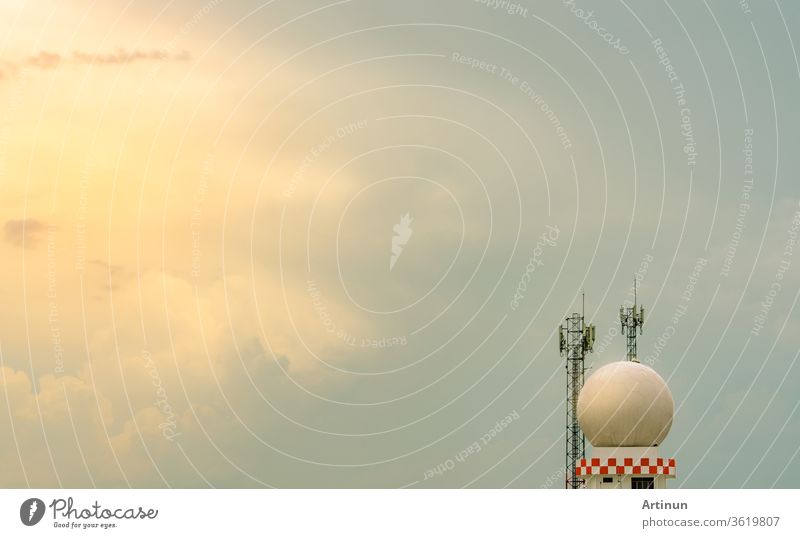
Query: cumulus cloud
pixel 128 416
pixel 64 431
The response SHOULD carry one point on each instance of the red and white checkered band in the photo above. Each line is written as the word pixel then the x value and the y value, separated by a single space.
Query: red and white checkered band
pixel 629 466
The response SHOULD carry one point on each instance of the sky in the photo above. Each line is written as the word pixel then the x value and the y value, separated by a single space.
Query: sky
pixel 329 244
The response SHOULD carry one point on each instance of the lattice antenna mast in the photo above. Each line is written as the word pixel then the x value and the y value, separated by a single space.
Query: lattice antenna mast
pixel 575 340
pixel 632 318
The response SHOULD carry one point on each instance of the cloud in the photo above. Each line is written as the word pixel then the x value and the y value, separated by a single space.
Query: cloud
pixel 44 60
pixel 24 232
pixel 122 56
pixel 125 417
pixel 7 70
pixel 48 60
pixel 87 444
pixel 112 276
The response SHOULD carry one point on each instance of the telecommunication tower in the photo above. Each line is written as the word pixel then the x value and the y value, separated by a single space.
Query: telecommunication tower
pixel 632 319
pixel 576 339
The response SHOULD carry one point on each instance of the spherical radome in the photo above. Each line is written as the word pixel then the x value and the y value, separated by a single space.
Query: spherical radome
pixel 625 404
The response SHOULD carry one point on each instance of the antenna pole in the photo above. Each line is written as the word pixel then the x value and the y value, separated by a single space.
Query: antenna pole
pixel 576 339
pixel 632 318
pixel 583 303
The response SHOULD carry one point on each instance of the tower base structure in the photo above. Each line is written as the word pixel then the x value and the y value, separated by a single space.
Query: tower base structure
pixel 629 467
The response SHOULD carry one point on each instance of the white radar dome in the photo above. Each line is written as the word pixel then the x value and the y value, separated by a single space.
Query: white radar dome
pixel 625 404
